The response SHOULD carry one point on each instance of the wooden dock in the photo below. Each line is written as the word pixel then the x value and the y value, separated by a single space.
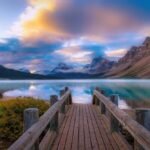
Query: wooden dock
pixel 85 129
pixel 67 126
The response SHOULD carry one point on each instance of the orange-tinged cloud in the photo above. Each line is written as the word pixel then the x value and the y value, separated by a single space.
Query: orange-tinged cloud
pixel 37 22
pixel 75 54
pixel 116 53
pixel 55 19
pixel 39 25
pixel 47 4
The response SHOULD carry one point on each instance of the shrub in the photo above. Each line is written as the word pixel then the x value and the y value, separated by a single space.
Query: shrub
pixel 11 116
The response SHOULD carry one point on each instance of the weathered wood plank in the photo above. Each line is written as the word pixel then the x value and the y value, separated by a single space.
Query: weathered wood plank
pixel 109 135
pixel 81 129
pixel 94 142
pixel 87 130
pixel 121 142
pixel 106 128
pixel 140 134
pixel 75 141
pixel 88 145
pixel 102 131
pixel 62 143
pixel 67 119
pixel 48 140
pixel 97 133
pixel 29 138
pixel 69 139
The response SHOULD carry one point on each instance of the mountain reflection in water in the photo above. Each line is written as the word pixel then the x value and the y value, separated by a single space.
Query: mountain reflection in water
pixel 82 90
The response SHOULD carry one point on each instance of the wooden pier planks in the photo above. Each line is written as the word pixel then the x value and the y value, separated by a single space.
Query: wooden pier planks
pixel 85 129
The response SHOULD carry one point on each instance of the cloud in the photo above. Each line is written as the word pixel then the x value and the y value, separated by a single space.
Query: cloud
pixel 15 54
pixel 37 22
pixel 63 20
pixel 74 31
pixel 116 53
pixel 75 55
pixel 2 41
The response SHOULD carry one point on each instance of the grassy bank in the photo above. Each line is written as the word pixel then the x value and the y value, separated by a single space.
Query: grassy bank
pixel 11 118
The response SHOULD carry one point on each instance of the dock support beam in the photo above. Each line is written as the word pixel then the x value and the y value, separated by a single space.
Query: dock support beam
pixel 114 124
pixel 31 116
pixel 142 117
pixel 54 122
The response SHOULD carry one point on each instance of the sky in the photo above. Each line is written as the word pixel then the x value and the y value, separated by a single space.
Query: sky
pixel 39 34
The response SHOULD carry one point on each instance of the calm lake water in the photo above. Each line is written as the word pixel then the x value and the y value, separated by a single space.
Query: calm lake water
pixel 82 90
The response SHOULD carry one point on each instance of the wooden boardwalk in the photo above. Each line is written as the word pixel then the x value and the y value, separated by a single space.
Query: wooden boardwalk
pixel 85 129
pixel 68 126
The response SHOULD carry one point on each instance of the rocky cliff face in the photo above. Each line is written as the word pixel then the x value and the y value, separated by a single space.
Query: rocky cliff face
pixel 134 63
pixel 62 67
pixel 99 65
pixel 137 53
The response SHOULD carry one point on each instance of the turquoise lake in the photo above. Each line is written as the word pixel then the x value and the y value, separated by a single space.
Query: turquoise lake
pixel 134 90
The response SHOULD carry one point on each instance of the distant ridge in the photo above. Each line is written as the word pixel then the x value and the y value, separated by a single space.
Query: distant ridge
pixel 6 73
pixel 135 64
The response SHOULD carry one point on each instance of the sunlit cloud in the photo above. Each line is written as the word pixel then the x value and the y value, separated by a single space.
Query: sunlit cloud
pixel 75 55
pixel 116 53
pixel 37 22
pixel 63 20
pixel 51 31
pixel 75 42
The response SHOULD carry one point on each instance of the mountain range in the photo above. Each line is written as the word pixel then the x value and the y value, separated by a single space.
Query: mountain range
pixel 62 71
pixel 6 73
pixel 135 64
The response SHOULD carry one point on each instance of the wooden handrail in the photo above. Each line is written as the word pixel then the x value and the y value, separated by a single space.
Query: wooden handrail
pixel 139 133
pixel 29 138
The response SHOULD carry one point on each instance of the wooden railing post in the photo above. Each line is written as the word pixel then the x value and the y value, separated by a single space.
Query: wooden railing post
pixel 114 124
pixel 115 98
pixel 103 92
pixel 62 110
pixel 96 100
pixel 66 89
pixel 70 97
pixel 62 92
pixel 54 122
pixel 142 117
pixel 139 133
pixel 31 116
pixel 102 108
pixel 98 89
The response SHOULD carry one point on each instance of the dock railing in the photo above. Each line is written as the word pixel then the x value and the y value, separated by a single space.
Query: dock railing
pixel 117 116
pixel 42 133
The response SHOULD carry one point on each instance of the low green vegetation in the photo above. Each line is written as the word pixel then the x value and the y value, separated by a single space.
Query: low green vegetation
pixel 11 118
